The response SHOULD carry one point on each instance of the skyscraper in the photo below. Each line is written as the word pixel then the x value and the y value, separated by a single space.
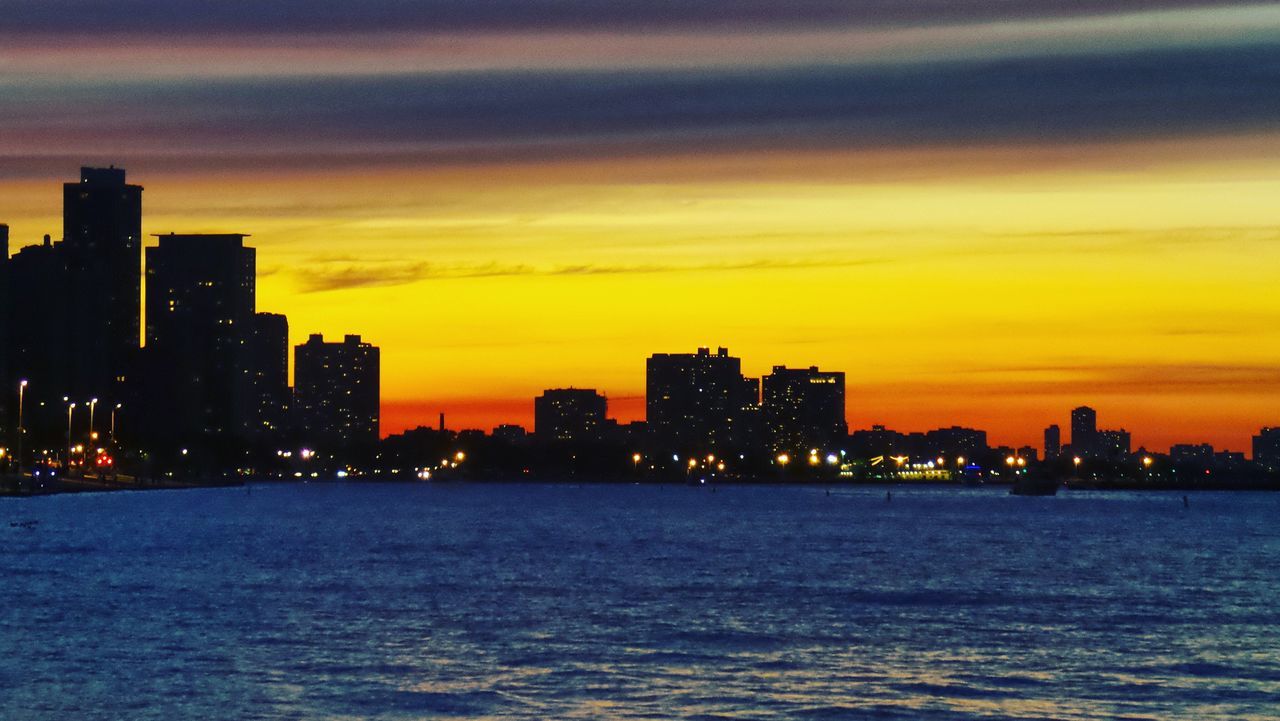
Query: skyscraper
pixel 1084 431
pixel 200 306
pixel 36 307
pixel 336 391
pixel 699 402
pixel 803 408
pixel 268 358
pixel 1052 442
pixel 569 414
pixel 102 244
pixel 7 391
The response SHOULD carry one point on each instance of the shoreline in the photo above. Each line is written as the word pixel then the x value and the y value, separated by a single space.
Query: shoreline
pixel 10 489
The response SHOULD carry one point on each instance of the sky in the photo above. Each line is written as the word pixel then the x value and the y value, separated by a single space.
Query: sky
pixel 984 212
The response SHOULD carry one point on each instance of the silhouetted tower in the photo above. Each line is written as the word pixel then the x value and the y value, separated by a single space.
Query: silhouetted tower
pixel 1052 442
pixel 803 408
pixel 200 308
pixel 1084 428
pixel 268 357
pixel 37 311
pixel 700 402
pixel 5 309
pixel 336 391
pixel 102 242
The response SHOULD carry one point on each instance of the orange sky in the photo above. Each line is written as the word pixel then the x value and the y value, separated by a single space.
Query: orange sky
pixel 985 215
pixel 993 287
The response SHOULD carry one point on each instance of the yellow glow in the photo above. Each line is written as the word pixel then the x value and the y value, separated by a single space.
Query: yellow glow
pixel 990 269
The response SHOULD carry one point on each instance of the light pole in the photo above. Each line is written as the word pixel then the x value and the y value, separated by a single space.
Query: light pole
pixel 22 390
pixel 112 439
pixel 93 403
pixel 71 406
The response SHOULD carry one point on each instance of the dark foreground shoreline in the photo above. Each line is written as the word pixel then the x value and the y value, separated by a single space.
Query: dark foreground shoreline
pixel 11 486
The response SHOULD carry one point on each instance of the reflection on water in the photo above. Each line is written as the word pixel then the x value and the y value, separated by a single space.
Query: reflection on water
pixel 534 602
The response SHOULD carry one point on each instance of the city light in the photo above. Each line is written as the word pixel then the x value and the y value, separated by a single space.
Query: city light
pixel 783 459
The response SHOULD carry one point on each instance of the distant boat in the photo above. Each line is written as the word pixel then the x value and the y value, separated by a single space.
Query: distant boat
pixel 1034 485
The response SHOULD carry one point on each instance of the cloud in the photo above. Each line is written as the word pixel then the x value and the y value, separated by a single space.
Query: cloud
pixel 285 17
pixel 321 275
pixel 1158 377
pixel 471 117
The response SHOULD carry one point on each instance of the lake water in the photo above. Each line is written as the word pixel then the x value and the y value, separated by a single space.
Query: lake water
pixel 558 602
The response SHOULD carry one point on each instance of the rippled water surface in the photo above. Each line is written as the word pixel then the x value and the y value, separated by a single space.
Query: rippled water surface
pixel 537 602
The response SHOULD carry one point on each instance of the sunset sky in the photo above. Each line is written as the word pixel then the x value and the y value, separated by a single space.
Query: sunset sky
pixel 985 213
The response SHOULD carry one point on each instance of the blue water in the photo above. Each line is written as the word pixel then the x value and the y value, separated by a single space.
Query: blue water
pixel 540 602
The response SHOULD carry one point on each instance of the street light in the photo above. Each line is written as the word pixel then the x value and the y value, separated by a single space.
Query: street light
pixel 112 439
pixel 93 403
pixel 22 390
pixel 71 406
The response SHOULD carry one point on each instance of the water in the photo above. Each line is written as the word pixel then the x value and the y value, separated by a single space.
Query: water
pixel 536 602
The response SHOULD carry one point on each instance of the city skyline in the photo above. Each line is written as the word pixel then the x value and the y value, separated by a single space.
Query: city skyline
pixel 554 196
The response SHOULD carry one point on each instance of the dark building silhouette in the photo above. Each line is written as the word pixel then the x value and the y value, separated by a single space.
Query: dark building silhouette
pixel 200 308
pixel 6 402
pixel 877 441
pixel 268 359
pixel 1112 444
pixel 954 442
pixel 102 243
pixel 36 308
pixel 569 414
pixel 1192 453
pixel 1084 428
pixel 510 433
pixel 336 391
pixel 1052 442
pixel 1266 448
pixel 1087 441
pixel 699 402
pixel 803 408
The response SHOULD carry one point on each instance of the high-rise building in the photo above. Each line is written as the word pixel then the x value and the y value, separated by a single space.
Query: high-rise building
pixel 200 308
pixel 1084 428
pixel 700 402
pixel 6 391
pixel 803 408
pixel 569 414
pixel 268 358
pixel 1112 444
pixel 1266 448
pixel 1052 442
pixel 36 309
pixel 336 391
pixel 102 244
